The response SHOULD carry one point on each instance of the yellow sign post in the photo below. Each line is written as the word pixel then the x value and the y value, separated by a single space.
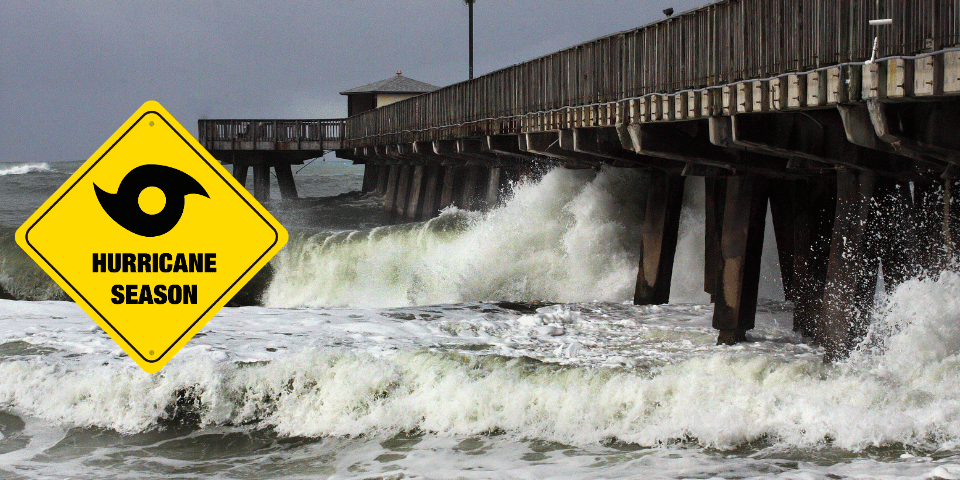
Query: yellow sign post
pixel 151 236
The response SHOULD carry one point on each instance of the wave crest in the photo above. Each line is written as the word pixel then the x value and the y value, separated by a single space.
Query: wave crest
pixel 722 401
pixel 25 168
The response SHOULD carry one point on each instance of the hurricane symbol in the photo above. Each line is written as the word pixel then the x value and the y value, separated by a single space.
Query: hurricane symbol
pixel 124 206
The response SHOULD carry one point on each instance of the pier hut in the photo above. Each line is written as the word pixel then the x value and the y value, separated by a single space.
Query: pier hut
pixel 384 92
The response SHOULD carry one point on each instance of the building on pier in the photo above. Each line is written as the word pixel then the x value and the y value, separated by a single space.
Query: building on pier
pixel 384 92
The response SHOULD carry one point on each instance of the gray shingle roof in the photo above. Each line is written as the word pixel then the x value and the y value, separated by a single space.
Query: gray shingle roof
pixel 394 84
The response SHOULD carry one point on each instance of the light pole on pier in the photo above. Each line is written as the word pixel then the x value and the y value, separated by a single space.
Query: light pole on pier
pixel 469 4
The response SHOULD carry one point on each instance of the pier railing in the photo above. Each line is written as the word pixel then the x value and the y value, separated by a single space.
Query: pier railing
pixel 721 43
pixel 319 134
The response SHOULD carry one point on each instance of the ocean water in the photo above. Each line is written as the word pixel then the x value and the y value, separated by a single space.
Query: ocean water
pixel 475 345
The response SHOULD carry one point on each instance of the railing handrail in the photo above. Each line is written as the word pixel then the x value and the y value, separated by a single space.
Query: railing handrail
pixel 271 130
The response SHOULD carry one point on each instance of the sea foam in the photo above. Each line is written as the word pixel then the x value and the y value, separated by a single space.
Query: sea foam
pixel 901 388
pixel 25 168
pixel 573 236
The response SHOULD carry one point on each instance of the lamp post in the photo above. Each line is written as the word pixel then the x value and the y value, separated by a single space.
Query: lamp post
pixel 469 4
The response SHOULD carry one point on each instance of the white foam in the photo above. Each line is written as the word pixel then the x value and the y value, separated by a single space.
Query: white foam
pixel 25 168
pixel 647 375
pixel 574 236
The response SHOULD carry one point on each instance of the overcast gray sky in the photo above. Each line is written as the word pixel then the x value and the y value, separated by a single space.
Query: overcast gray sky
pixel 72 71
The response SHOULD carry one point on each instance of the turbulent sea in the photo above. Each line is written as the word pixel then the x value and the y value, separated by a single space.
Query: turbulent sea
pixel 475 345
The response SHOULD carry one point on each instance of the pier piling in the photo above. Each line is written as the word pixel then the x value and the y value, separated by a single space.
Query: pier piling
pixel 432 190
pixel 261 182
pixel 661 226
pixel 741 244
pixel 814 207
pixel 288 189
pixel 849 272
pixel 403 191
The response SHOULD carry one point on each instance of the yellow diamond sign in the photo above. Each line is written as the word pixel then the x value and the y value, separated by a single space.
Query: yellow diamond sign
pixel 151 236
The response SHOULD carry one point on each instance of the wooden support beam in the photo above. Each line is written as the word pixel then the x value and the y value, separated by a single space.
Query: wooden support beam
pixel 873 228
pixel 288 188
pixel 859 129
pixel 659 238
pixel 851 275
pixel 678 143
pixel 422 148
pixel 473 149
pixel 449 153
pixel 261 182
pixel 506 145
pixel 744 218
pixel 783 138
pixel 889 124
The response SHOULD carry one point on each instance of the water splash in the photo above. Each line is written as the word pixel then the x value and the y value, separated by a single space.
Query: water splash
pixel 25 168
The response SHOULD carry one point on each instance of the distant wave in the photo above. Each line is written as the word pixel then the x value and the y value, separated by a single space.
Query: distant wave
pixel 24 169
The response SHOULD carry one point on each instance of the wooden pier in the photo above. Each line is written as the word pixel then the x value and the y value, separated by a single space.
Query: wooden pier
pixel 785 103
pixel 265 144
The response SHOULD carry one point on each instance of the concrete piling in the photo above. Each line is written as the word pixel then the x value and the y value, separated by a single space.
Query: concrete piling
pixel 433 183
pixel 369 177
pixel 741 244
pixel 261 182
pixel 814 206
pixel 288 189
pixel 390 194
pixel 659 238
pixel 715 194
pixel 383 175
pixel 403 191
pixel 850 278
pixel 449 187
pixel 416 194
pixel 240 173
